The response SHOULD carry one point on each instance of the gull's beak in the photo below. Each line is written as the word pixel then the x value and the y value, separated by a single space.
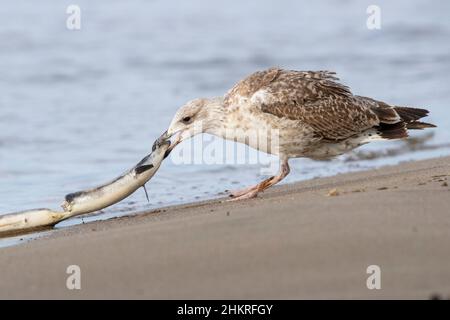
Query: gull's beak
pixel 164 136
pixel 175 141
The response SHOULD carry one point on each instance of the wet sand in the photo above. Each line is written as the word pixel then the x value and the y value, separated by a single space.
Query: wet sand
pixel 303 240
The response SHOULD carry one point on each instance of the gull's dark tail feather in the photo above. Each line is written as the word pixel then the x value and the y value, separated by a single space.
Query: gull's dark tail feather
pixel 418 125
pixel 408 114
pixel 411 115
pixel 408 120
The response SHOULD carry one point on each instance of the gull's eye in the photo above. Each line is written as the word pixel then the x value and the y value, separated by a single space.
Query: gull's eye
pixel 186 119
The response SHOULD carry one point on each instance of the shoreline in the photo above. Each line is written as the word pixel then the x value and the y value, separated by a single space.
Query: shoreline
pixel 294 241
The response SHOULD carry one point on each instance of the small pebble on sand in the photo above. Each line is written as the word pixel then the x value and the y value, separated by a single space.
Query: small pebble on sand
pixel 333 193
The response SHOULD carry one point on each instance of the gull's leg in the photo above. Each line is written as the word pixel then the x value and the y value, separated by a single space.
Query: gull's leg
pixel 253 191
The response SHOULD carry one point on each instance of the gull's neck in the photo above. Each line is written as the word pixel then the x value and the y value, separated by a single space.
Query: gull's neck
pixel 215 117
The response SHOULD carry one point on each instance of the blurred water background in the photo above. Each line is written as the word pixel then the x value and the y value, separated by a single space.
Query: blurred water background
pixel 78 108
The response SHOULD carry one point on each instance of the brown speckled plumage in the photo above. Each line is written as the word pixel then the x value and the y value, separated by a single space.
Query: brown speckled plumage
pixel 316 99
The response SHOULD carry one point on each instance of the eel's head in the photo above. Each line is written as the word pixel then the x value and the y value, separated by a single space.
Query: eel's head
pixel 160 151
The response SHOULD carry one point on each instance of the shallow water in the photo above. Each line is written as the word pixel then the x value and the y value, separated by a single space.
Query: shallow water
pixel 77 108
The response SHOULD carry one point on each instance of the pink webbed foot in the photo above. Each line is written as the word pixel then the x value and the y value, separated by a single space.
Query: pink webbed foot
pixel 241 192
pixel 251 193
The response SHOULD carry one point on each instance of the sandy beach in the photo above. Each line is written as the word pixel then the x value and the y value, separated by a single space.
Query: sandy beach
pixel 294 241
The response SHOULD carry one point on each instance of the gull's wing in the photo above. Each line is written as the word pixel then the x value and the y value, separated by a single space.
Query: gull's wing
pixel 313 97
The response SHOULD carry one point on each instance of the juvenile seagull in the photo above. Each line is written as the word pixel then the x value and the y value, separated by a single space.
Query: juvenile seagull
pixel 314 115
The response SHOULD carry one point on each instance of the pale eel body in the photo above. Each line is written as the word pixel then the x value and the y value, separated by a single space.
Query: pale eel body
pixel 90 200
pixel 30 219
pixel 103 196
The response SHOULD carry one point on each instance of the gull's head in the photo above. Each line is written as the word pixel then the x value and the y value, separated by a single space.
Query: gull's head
pixel 196 116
